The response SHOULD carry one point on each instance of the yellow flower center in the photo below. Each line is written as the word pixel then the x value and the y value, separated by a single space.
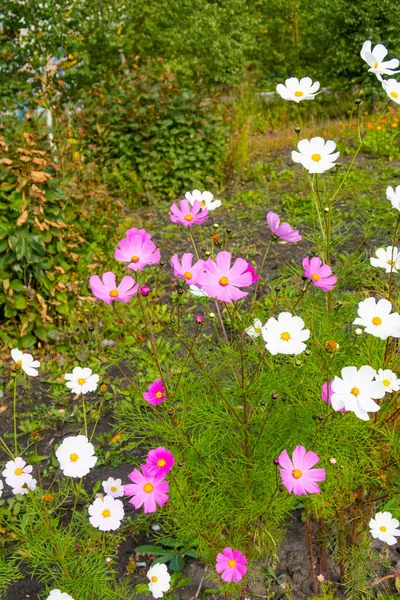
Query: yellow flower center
pixel 394 94
pixel 299 94
pixel 377 321
pixel 159 395
pixel 189 217
pixel 223 281
pixel 376 65
pixel 187 275
pixel 73 457
pixel 315 277
pixel 148 488
pixel 296 473
pixel 383 529
pixel 316 157
pixel 203 203
pixel 285 336
pixel 355 391
pixel 81 381
pixel 114 293
pixel 161 462
pixel 232 563
pixel 19 363
pixel 18 471
pixel 135 259
pixel 154 579
pixel 386 382
pixel 106 513
pixel 257 329
pixel 113 488
pixel 390 262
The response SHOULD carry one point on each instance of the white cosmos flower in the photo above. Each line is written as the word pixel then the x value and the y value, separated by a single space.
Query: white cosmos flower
pixel 297 90
pixel 377 319
pixel 76 456
pixel 356 391
pixel 394 196
pixel 30 485
pixel 255 330
pixel 388 259
pixel 198 292
pixel 389 380
pixel 1 488
pixel 58 595
pixel 374 58
pixel 205 199
pixel 285 335
pixel 81 381
pixel 26 362
pixel 385 528
pixel 113 487
pixel 159 580
pixel 316 155
pixel 392 88
pixel 17 473
pixel 106 513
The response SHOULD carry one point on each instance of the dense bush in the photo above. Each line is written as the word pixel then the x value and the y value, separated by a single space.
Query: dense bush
pixel 151 135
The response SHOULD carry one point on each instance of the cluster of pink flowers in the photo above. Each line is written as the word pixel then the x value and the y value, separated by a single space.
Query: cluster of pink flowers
pixel 149 487
pixel 138 250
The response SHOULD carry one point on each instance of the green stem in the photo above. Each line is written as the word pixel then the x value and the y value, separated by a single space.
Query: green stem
pixel 260 274
pixel 15 417
pixel 84 414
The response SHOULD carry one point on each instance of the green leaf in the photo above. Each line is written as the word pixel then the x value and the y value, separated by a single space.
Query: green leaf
pixel 192 553
pixel 149 549
pixel 19 301
pixel 177 563
pixel 163 559
pixel 28 340
pixel 142 588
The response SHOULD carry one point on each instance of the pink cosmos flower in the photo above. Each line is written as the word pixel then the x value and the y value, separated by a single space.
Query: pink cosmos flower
pixel 138 251
pixel 297 474
pixel 231 565
pixel 282 230
pixel 146 490
pixel 185 270
pixel 188 215
pixel 107 289
pixel 320 274
pixel 158 462
pixel 221 281
pixel 135 231
pixel 155 393
pixel 326 394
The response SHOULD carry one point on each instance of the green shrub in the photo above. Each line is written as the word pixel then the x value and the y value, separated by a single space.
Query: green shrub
pixel 152 135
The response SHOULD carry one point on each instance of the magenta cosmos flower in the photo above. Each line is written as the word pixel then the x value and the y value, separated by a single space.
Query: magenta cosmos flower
pixel 146 490
pixel 320 274
pixel 138 251
pixel 297 474
pixel 231 565
pixel 155 393
pixel 106 289
pixel 185 269
pixel 326 394
pixel 221 281
pixel 282 230
pixel 159 462
pixel 188 215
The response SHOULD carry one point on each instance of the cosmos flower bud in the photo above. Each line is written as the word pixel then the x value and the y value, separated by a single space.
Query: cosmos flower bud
pixel 145 290
pixel 199 319
pixel 331 346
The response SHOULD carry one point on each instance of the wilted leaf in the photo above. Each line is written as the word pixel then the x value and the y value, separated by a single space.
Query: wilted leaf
pixel 40 176
pixel 22 218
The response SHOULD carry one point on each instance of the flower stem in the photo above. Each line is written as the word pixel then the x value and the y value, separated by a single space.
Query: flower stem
pixel 15 417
